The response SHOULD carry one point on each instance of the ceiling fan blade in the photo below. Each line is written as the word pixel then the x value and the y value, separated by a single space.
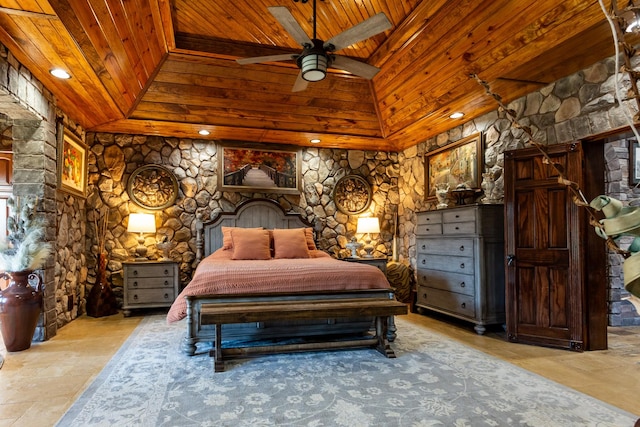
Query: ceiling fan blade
pixel 368 28
pixel 300 84
pixel 355 67
pixel 268 58
pixel 289 23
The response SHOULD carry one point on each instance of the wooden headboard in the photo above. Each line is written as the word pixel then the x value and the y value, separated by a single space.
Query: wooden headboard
pixel 264 213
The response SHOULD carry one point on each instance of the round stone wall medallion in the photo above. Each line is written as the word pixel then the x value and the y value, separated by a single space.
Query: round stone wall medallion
pixel 352 194
pixel 152 187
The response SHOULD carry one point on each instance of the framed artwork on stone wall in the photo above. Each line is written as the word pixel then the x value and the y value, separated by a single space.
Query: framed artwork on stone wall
pixel 72 163
pixel 152 187
pixel 248 167
pixel 634 162
pixel 457 164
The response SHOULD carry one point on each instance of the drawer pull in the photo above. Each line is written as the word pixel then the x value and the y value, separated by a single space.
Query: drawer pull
pixel 463 305
pixel 166 296
pixel 424 261
pixel 424 246
pixel 462 265
pixel 424 295
pixel 461 248
pixel 462 284
pixel 135 272
pixel 135 297
pixel 166 272
pixel 166 283
pixel 457 216
pixel 426 229
pixel 457 228
pixel 135 284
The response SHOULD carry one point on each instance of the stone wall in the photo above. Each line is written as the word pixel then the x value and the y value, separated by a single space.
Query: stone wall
pixel 572 108
pixel 194 162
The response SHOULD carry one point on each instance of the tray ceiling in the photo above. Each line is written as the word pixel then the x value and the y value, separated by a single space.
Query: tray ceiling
pixel 167 67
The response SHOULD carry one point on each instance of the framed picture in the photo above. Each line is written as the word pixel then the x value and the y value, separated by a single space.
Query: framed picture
pixel 456 164
pixel 259 167
pixel 72 164
pixel 634 162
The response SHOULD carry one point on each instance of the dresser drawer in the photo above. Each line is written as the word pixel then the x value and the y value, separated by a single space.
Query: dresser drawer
pixel 452 264
pixel 428 229
pixel 453 282
pixel 149 282
pixel 161 270
pixel 448 301
pixel 458 215
pixel 425 218
pixel 455 247
pixel 150 296
pixel 467 227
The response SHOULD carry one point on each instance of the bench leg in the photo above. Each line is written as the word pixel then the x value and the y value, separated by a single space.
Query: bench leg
pixel 381 333
pixel 216 352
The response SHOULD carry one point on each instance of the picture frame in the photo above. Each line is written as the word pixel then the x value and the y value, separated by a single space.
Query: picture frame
pixel 455 164
pixel 72 164
pixel 250 167
pixel 634 162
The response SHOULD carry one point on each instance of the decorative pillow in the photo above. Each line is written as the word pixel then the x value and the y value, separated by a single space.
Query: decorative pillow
pixel 227 243
pixel 311 244
pixel 291 243
pixel 250 243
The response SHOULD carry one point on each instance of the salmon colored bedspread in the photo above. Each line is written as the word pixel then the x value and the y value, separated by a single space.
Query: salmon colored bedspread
pixel 218 274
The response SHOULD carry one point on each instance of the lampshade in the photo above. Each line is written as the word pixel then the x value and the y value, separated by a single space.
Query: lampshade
pixel 368 225
pixel 314 67
pixel 142 223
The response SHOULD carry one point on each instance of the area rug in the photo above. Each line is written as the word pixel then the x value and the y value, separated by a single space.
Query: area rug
pixel 434 381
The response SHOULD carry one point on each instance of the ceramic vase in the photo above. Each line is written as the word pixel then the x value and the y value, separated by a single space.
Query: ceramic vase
pixel 101 300
pixel 20 307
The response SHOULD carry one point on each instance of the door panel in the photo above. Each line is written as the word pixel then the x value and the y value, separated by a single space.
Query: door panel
pixel 546 269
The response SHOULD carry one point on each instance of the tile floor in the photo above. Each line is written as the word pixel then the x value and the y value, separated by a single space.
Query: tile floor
pixel 39 384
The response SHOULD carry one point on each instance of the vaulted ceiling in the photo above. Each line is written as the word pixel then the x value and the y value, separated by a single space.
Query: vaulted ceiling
pixel 167 67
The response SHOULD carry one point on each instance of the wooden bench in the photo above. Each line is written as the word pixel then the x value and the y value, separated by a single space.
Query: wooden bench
pixel 247 312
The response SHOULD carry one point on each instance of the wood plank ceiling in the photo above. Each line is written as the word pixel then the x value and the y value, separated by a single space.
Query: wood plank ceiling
pixel 167 67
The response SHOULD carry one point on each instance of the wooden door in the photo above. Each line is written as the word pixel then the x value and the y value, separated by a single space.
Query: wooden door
pixel 548 247
pixel 6 190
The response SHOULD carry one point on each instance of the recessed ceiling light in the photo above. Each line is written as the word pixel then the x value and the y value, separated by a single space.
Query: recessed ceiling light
pixel 456 115
pixel 315 141
pixel 60 73
pixel 204 132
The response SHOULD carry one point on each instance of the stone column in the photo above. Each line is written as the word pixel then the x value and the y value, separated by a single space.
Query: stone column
pixel 34 173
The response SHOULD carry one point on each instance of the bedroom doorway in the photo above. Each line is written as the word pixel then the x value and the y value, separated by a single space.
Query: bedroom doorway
pixel 556 287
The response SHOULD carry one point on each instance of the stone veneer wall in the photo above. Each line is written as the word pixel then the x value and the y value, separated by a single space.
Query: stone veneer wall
pixel 572 108
pixel 194 162
pixel 29 130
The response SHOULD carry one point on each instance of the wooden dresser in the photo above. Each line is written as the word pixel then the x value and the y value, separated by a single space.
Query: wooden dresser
pixel 149 284
pixel 460 263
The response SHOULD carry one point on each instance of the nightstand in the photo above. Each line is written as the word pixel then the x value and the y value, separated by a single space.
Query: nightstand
pixel 380 262
pixel 149 284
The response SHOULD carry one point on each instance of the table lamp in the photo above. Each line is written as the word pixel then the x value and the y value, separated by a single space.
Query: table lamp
pixel 367 226
pixel 141 223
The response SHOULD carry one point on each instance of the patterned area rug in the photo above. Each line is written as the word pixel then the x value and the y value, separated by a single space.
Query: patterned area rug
pixel 433 382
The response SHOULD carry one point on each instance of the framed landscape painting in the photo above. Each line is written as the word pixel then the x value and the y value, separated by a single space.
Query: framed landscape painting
pixel 72 164
pixel 247 167
pixel 455 164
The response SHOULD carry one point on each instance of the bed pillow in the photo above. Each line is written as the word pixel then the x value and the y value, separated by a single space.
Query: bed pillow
pixel 250 243
pixel 227 243
pixel 291 243
pixel 311 244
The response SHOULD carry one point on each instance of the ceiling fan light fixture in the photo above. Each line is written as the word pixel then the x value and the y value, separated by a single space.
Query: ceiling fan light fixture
pixel 314 67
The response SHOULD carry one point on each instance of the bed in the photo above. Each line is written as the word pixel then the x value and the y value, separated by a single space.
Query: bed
pixel 220 279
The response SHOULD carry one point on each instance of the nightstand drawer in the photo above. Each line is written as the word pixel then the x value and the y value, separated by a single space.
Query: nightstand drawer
pixel 161 270
pixel 150 296
pixel 150 282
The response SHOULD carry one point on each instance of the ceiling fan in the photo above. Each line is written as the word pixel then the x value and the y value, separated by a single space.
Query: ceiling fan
pixel 318 55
